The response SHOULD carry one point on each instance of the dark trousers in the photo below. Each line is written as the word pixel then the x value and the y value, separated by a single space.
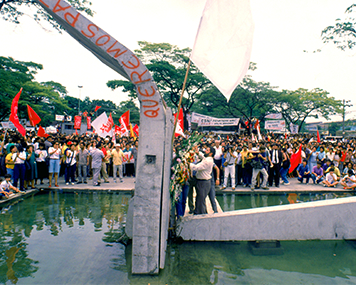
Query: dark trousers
pixel 203 188
pixel 247 174
pixel 192 183
pixel 274 173
pixel 70 173
pixel 180 205
pixel 19 173
pixel 238 174
pixel 212 194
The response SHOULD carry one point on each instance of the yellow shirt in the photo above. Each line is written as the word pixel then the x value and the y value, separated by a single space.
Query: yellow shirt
pixel 117 157
pixel 9 157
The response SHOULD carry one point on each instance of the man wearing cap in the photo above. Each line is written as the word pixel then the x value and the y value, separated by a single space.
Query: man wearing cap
pixel 117 158
pixel 203 174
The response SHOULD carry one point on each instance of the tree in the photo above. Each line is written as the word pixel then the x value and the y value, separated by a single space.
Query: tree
pixel 45 98
pixel 168 65
pixel 297 105
pixel 343 33
pixel 10 11
pixel 251 99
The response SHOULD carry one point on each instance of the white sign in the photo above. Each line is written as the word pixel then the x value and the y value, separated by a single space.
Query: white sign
pixel 275 116
pixel 7 125
pixel 277 125
pixel 61 118
pixel 204 121
pixel 293 128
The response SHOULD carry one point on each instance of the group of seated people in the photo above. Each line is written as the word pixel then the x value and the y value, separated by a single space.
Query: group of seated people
pixel 327 174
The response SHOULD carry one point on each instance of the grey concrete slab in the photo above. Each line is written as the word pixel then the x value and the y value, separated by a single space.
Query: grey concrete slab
pixel 322 220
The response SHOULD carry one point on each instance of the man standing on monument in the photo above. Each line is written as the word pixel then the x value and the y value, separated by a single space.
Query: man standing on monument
pixel 203 175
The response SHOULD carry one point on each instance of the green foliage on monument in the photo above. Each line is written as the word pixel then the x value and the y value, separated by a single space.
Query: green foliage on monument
pixel 13 10
pixel 343 32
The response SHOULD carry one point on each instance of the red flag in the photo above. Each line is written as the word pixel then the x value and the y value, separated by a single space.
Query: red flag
pixel 180 125
pixel 32 115
pixel 13 117
pixel 136 130
pixel 111 121
pixel 77 122
pixel 256 124
pixel 41 132
pixel 88 123
pixel 125 119
pixel 285 136
pixel 317 136
pixel 97 108
pixel 295 159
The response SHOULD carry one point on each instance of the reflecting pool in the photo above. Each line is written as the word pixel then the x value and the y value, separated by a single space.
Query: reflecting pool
pixel 69 238
pixel 234 201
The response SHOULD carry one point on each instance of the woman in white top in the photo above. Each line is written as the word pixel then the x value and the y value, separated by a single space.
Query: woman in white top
pixel 71 164
pixel 42 168
pixel 54 153
pixel 19 158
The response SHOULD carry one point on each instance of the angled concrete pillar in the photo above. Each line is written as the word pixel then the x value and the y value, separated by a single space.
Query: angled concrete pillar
pixel 153 153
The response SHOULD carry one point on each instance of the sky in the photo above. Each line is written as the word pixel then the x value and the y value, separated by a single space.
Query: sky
pixel 284 29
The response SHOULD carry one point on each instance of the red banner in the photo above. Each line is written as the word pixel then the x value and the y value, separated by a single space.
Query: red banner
pixel 41 132
pixel 136 130
pixel 77 122
pixel 13 116
pixel 88 123
pixel 32 115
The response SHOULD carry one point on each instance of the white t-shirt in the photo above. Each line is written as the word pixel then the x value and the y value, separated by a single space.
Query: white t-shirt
pixel 348 182
pixel 331 178
pixel 54 155
pixel 5 186
pixel 20 158
pixel 70 157
pixel 218 152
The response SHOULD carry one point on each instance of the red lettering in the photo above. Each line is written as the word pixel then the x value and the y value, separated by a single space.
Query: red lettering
pixel 58 7
pixel 133 66
pixel 92 32
pixel 152 101
pixel 74 19
pixel 153 113
pixel 118 53
pixel 139 77
pixel 44 3
pixel 104 36
pixel 146 94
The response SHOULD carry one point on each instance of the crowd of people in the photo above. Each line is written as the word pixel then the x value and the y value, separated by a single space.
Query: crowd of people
pixel 27 163
pixel 239 161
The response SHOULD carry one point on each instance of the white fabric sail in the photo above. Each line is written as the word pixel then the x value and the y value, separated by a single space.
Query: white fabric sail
pixel 223 44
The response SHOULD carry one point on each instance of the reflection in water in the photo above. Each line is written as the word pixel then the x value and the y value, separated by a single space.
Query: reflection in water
pixel 56 238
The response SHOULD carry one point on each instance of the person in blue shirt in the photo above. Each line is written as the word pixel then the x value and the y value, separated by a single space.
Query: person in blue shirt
pixel 303 172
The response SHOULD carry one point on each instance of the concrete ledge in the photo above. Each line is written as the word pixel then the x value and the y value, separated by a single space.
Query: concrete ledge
pixel 324 220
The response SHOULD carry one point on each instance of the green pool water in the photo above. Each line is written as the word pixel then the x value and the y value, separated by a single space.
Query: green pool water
pixel 55 238
pixel 231 202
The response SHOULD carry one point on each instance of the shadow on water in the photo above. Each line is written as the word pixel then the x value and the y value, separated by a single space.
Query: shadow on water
pixel 72 238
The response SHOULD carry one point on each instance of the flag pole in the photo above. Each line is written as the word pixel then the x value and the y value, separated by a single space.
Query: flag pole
pixel 180 101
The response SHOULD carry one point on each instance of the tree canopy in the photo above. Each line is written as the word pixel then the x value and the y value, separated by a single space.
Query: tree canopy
pixel 12 11
pixel 343 32
pixel 168 65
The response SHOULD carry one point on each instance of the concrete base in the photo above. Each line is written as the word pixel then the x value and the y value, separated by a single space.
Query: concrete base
pixel 322 220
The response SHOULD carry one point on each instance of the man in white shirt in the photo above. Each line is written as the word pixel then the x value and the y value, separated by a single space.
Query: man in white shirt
pixel 203 174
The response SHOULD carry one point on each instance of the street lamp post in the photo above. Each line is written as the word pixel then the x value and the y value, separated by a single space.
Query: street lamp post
pixel 80 88
pixel 345 103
